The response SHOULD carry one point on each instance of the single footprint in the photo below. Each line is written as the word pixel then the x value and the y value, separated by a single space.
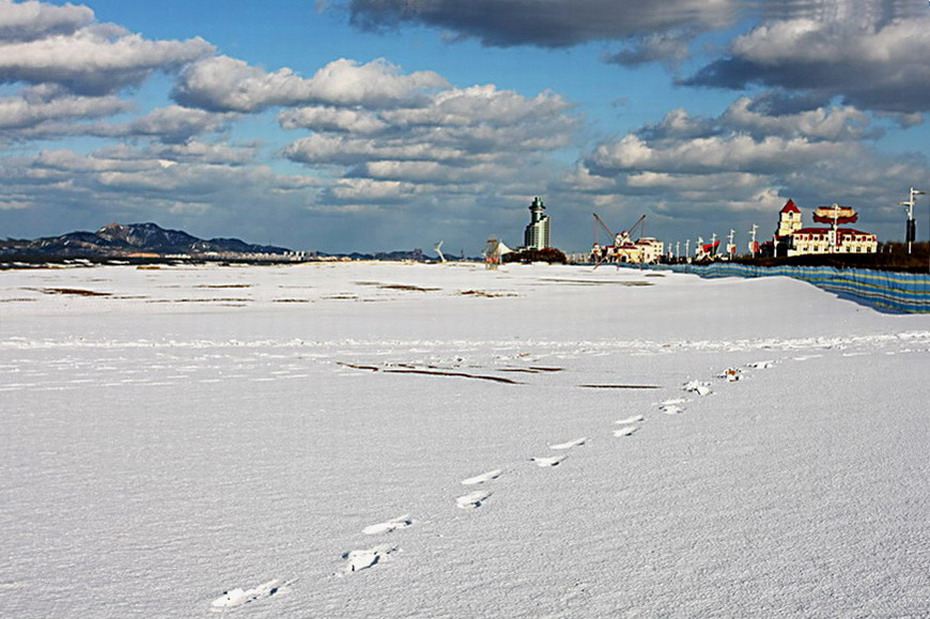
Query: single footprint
pixel 401 522
pixel 731 375
pixel 630 420
pixel 472 500
pixel 672 409
pixel 625 431
pixel 697 386
pixel 569 444
pixel 358 560
pixel 760 365
pixel 480 479
pixel 239 596
pixel 544 462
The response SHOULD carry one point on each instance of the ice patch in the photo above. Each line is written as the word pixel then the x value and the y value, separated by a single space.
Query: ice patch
pixel 545 462
pixel 569 444
pixel 629 420
pixel 472 500
pixel 388 526
pixel 238 597
pixel 358 560
pixel 480 479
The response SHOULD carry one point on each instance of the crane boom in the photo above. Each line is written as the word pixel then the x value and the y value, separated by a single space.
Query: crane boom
pixel 603 226
pixel 639 225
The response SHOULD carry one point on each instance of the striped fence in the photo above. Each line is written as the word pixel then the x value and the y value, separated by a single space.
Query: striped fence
pixel 883 290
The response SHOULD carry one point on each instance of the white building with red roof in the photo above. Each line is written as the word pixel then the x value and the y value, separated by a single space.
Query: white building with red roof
pixel 789 219
pixel 830 239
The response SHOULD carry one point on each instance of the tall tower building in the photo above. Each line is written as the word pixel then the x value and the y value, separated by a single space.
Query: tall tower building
pixel 789 219
pixel 536 235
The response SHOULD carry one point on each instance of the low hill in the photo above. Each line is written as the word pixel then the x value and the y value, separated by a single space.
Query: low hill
pixel 118 240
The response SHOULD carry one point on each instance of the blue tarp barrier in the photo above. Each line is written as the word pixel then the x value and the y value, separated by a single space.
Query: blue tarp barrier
pixel 886 291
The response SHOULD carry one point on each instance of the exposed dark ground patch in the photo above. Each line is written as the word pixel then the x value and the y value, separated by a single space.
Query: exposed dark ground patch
pixel 217 300
pixel 486 294
pixel 404 287
pixel 223 286
pixel 399 369
pixel 595 282
pixel 81 292
pixel 620 386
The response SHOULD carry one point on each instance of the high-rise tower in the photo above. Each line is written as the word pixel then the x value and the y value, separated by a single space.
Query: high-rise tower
pixel 536 235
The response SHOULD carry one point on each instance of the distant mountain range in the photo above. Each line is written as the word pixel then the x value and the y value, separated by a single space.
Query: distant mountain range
pixel 117 240
pixel 149 241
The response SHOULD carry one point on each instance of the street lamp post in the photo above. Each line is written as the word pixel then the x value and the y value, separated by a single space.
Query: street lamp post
pixel 911 231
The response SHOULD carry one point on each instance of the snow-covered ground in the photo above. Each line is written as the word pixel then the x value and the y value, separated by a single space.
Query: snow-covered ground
pixel 386 440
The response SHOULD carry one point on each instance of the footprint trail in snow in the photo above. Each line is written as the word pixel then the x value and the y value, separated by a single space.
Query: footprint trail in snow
pixel 625 431
pixel 472 500
pixel 548 462
pixel 484 477
pixel 569 444
pixel 389 526
pixel 358 560
pixel 238 596
pixel 699 387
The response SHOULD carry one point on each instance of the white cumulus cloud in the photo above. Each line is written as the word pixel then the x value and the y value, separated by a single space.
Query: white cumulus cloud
pixel 227 84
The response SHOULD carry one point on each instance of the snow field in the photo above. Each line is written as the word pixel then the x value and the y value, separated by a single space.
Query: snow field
pixel 160 456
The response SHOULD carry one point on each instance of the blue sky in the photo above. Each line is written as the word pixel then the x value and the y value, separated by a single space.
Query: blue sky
pixel 371 125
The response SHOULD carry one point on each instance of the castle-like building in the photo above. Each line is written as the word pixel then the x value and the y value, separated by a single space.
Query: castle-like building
pixel 536 234
pixel 832 239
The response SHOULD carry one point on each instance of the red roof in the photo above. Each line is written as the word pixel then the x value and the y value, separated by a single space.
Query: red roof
pixel 790 207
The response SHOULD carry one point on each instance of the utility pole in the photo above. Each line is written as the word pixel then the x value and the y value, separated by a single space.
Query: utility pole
pixel 911 231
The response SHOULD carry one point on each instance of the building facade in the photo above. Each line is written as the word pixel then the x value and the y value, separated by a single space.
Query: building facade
pixel 821 241
pixel 799 240
pixel 536 234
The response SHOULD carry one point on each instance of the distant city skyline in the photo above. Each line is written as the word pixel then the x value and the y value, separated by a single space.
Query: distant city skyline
pixel 364 125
